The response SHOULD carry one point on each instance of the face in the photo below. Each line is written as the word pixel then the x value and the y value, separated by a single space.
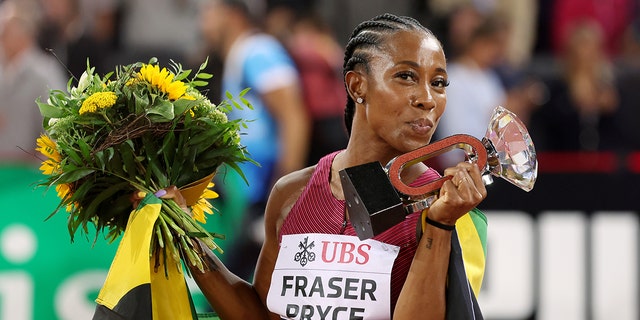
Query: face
pixel 12 35
pixel 405 90
pixel 212 21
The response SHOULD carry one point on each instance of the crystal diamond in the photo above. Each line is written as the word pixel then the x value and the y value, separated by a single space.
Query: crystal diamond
pixel 514 150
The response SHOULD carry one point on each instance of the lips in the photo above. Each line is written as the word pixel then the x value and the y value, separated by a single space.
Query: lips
pixel 421 126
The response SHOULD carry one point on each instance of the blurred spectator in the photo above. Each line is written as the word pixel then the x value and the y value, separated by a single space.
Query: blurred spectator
pixel 454 21
pixel 475 88
pixel 521 15
pixel 166 29
pixel 628 80
pixel 630 46
pixel 277 137
pixel 612 16
pixel 26 74
pixel 583 100
pixel 79 29
pixel 318 58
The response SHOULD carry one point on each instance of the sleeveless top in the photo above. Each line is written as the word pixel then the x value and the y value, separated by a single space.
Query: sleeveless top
pixel 318 211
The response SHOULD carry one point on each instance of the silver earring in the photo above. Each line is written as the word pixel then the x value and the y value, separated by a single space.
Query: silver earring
pixel 359 100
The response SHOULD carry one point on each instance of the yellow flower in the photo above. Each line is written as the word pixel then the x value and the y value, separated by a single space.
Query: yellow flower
pixel 203 205
pixel 163 81
pixel 97 101
pixel 47 147
pixel 64 191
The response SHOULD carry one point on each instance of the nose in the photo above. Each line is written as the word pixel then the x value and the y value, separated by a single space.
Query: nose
pixel 423 99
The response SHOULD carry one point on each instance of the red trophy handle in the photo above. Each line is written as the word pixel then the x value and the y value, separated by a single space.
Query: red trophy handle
pixel 470 144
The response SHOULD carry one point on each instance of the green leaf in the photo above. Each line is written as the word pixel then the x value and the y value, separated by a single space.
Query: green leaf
pixel 204 76
pixel 49 111
pixel 74 175
pixel 128 158
pixel 85 150
pixel 181 76
pixel 237 105
pixel 104 195
pixel 204 64
pixel 75 157
pixel 141 102
pixel 153 162
pixel 100 159
pixel 198 83
pixel 246 103
pixel 208 136
pixel 163 109
pixel 168 149
pixel 114 162
pixel 182 105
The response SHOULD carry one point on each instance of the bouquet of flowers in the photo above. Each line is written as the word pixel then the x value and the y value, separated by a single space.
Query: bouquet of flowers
pixel 141 129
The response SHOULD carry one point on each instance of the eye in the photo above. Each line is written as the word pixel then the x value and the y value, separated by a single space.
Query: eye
pixel 406 75
pixel 440 83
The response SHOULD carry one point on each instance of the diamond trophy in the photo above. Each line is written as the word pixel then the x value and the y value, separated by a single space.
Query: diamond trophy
pixel 378 199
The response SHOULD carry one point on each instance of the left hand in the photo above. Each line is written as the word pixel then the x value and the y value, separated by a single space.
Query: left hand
pixel 463 192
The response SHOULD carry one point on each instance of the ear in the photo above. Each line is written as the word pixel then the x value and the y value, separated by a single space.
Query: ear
pixel 356 84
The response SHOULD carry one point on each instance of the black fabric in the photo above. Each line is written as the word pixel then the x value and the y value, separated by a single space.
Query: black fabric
pixel 135 304
pixel 461 301
pixel 104 313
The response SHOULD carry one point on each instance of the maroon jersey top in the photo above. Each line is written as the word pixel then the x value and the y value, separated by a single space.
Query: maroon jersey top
pixel 318 211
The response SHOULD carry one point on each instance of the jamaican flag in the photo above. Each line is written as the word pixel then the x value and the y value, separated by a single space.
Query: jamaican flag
pixel 466 266
pixel 135 288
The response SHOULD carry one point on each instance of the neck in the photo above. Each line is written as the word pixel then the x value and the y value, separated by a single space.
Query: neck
pixel 353 156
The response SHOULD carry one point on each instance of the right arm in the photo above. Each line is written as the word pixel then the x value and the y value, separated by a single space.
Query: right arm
pixel 229 295
pixel 424 292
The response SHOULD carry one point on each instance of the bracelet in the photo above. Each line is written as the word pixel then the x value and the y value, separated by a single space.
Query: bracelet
pixel 438 224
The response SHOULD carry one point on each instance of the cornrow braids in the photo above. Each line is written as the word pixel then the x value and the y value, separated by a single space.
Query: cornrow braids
pixel 366 36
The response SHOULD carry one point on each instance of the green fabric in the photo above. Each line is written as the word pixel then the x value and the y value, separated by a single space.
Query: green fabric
pixel 480 221
pixel 208 316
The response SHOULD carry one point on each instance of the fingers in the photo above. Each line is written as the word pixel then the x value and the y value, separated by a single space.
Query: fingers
pixel 461 178
pixel 465 173
pixel 464 191
pixel 467 180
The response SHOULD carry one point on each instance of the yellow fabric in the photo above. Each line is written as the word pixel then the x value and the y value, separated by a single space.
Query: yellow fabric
pixel 132 267
pixel 170 298
pixel 472 251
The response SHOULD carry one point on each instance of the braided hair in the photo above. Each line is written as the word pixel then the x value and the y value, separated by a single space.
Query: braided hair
pixel 367 35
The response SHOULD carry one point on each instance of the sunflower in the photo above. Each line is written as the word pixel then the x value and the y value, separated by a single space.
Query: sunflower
pixel 163 81
pixel 97 101
pixel 64 191
pixel 203 205
pixel 47 147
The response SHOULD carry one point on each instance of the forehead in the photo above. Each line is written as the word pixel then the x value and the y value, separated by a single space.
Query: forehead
pixel 413 45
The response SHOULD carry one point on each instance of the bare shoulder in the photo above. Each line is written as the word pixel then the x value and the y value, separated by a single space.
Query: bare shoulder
pixel 295 180
pixel 286 192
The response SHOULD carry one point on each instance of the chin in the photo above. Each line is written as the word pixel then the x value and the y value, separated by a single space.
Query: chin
pixel 410 146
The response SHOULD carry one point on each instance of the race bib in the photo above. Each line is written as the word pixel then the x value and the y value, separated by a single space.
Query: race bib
pixel 324 276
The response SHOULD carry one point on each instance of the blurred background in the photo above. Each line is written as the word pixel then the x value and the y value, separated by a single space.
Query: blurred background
pixel 570 69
